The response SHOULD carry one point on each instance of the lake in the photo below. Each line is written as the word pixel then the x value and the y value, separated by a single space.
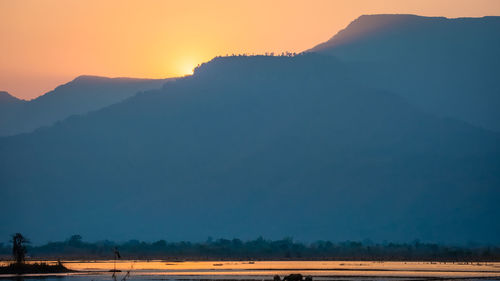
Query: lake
pixel 265 270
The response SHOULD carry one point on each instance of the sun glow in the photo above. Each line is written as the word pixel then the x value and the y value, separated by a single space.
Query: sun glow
pixel 187 66
pixel 159 39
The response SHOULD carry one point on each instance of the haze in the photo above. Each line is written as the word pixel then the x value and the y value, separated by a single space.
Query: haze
pixel 46 43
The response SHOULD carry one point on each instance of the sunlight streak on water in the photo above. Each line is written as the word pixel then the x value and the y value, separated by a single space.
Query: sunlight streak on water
pixel 265 270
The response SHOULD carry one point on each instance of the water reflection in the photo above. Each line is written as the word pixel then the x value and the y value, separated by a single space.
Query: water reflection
pixel 265 270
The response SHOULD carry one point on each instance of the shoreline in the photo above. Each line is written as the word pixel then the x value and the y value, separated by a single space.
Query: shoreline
pixel 174 260
pixel 34 268
pixel 99 270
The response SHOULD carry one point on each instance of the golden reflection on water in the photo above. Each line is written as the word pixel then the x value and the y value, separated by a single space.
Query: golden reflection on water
pixel 314 268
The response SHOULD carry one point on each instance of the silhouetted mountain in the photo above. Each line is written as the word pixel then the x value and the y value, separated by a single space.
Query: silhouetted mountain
pixel 8 103
pixel 84 94
pixel 6 98
pixel 449 67
pixel 252 146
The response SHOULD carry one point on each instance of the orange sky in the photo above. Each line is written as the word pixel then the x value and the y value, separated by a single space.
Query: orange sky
pixel 45 43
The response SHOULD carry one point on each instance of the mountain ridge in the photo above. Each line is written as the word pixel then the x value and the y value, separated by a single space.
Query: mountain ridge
pixel 81 95
pixel 6 98
pixel 368 23
pixel 448 67
pixel 270 146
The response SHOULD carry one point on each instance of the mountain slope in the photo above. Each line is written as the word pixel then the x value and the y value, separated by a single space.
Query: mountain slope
pixel 8 104
pixel 84 94
pixel 252 146
pixel 6 98
pixel 449 67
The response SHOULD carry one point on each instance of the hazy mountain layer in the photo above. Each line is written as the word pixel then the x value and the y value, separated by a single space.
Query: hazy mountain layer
pixel 84 94
pixel 7 99
pixel 250 146
pixel 449 67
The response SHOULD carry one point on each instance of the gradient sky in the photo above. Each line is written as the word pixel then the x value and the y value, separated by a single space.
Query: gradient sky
pixel 47 43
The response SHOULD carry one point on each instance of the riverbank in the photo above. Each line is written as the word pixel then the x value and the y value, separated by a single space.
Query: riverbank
pixel 34 268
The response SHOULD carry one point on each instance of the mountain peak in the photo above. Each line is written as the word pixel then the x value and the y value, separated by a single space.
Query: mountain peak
pixel 89 78
pixel 366 26
pixel 98 79
pixel 81 95
pixel 456 57
pixel 5 97
pixel 242 65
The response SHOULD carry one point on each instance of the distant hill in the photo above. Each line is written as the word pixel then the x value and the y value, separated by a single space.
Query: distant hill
pixel 449 67
pixel 8 103
pixel 6 98
pixel 249 146
pixel 84 94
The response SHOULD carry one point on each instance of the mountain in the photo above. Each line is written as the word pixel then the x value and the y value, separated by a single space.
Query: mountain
pixel 448 67
pixel 84 94
pixel 7 104
pixel 6 98
pixel 249 146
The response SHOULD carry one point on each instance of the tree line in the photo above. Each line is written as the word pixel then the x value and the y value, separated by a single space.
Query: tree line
pixel 258 249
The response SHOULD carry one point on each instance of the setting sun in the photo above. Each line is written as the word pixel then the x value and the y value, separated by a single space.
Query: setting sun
pixel 133 39
pixel 186 67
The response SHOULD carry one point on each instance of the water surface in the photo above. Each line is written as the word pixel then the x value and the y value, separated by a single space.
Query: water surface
pixel 265 270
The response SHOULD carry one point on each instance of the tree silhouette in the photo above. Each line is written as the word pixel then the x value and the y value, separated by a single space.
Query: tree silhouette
pixel 75 240
pixel 18 247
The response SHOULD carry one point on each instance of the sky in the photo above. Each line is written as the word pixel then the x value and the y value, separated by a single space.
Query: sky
pixel 50 42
